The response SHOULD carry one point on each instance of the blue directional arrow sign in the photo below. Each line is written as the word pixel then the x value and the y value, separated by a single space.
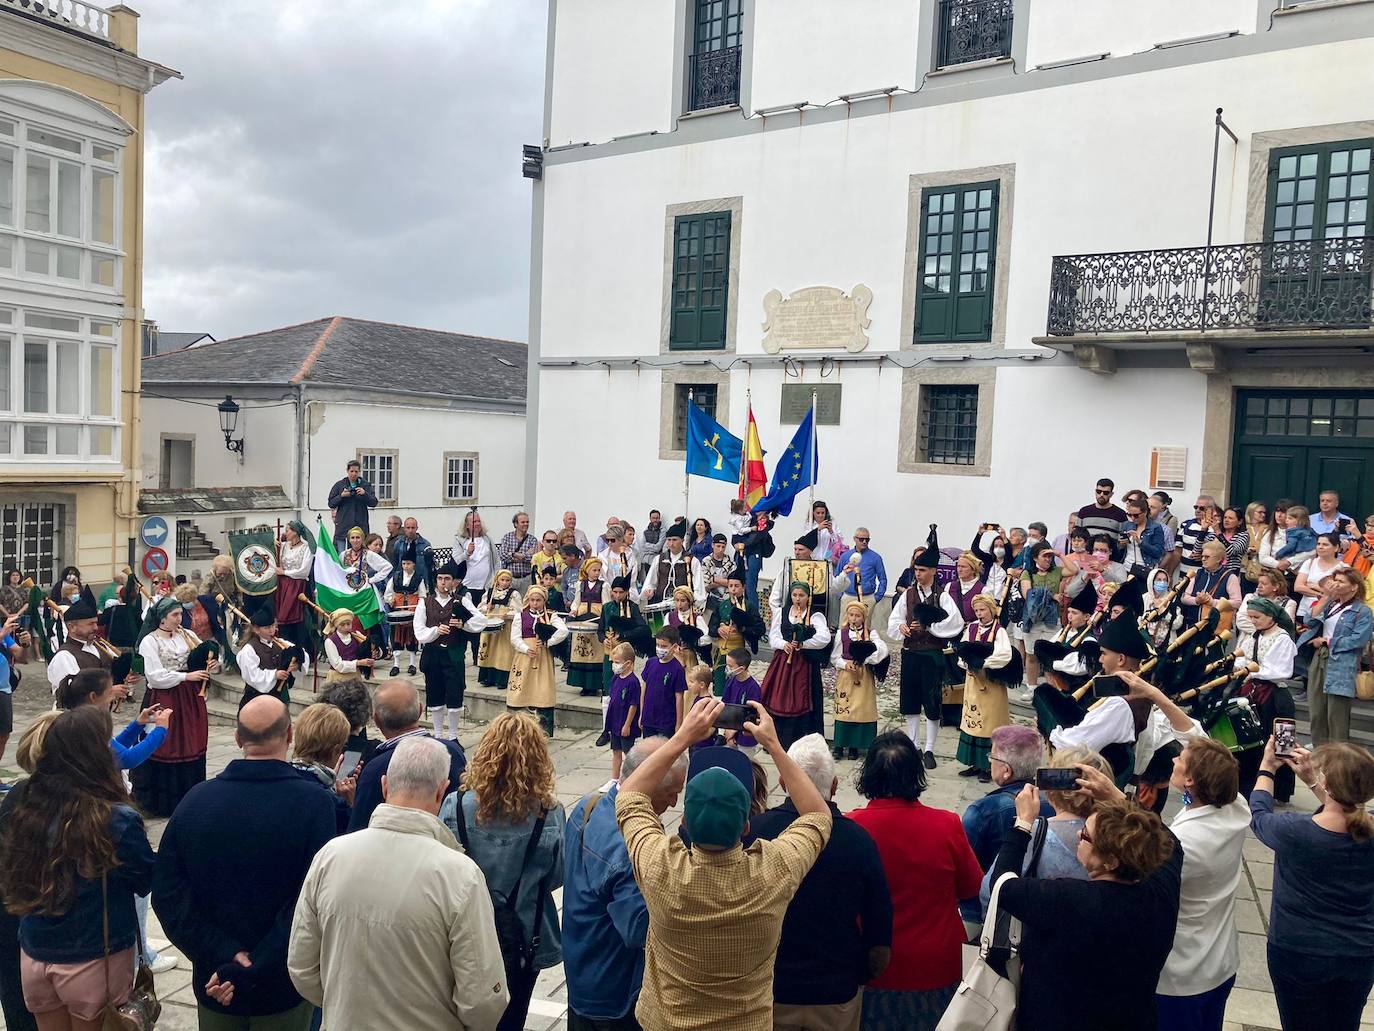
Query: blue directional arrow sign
pixel 154 531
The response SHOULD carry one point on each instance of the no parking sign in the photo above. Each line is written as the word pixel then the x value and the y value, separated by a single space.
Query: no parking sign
pixel 155 561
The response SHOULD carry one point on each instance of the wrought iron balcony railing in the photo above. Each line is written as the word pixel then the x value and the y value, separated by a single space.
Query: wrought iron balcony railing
pixel 87 19
pixel 1317 284
pixel 715 78
pixel 974 30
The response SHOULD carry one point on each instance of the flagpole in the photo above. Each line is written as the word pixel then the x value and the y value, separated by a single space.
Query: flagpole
pixel 811 494
pixel 687 477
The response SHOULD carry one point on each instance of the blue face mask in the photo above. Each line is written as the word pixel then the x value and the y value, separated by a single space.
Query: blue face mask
pixel 1161 588
pixel 188 605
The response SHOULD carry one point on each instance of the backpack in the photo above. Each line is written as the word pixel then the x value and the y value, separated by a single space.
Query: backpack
pixel 517 951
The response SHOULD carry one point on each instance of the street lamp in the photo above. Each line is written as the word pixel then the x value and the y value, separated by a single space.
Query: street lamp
pixel 228 423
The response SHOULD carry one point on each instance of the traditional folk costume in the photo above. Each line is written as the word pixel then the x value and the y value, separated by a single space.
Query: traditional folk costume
pixel 259 661
pixel 733 624
pixel 1067 660
pixel 780 596
pixel 690 624
pixel 856 686
pixel 987 655
pixel 179 762
pixel 669 572
pixel 442 659
pixel 622 621
pixel 792 685
pixel 342 650
pixel 294 580
pixel 1275 652
pixel 496 655
pixel 934 620
pixel 72 655
pixel 586 665
pixel 533 636
pixel 403 594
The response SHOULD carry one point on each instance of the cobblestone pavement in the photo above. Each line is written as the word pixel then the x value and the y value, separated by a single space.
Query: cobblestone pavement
pixel 582 768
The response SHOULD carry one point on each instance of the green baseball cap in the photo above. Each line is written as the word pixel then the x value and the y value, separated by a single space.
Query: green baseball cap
pixel 716 808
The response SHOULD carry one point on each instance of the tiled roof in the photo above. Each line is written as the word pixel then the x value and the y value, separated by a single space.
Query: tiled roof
pixel 193 500
pixel 342 351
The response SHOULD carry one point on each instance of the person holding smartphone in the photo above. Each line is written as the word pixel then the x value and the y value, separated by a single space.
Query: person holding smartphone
pixel 14 642
pixel 1321 918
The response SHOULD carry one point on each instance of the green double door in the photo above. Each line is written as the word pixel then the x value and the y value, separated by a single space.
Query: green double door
pixel 1296 444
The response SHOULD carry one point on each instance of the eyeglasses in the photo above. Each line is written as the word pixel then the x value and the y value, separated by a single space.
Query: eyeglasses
pixel 863 539
pixel 1107 492
pixel 998 759
pixel 1085 837
pixel 1201 508
pixel 550 540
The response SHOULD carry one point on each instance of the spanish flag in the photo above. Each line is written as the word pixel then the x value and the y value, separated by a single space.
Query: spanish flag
pixel 753 478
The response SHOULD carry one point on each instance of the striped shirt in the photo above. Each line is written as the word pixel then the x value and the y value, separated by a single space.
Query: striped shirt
pixel 714 919
pixel 1102 520
pixel 1190 537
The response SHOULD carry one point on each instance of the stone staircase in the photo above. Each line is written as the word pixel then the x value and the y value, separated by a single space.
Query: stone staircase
pixel 192 544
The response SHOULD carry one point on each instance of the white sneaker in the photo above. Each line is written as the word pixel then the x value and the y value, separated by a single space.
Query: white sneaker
pixel 1026 695
pixel 163 963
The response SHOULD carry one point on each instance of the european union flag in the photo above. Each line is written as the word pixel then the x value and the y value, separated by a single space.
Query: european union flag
pixel 797 469
pixel 712 450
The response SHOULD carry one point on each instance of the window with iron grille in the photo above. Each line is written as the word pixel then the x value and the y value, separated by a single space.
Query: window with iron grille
pixel 701 280
pixel 974 30
pixel 703 395
pixel 379 469
pixel 30 539
pixel 718 29
pixel 460 477
pixel 957 262
pixel 949 428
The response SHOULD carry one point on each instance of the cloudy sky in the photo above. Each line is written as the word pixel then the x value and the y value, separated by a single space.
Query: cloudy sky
pixel 341 157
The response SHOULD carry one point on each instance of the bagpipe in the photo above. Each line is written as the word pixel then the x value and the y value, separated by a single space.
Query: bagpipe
pixel 747 623
pixel 976 653
pixel 290 652
pixel 622 621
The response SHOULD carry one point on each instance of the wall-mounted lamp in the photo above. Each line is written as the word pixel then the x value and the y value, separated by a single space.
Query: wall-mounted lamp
pixel 228 423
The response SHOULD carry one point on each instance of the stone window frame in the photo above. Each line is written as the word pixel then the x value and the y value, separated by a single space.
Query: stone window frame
pixel 1263 143
pixel 911 421
pixel 734 205
pixel 917 184
pixel 476 480
pixel 671 379
pixel 395 457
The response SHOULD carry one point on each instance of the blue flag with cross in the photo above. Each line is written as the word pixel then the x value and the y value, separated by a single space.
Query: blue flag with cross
pixel 712 450
pixel 798 467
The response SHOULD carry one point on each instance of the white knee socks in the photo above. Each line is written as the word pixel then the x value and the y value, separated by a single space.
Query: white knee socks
pixel 436 717
pixel 912 723
pixel 453 716
pixel 932 729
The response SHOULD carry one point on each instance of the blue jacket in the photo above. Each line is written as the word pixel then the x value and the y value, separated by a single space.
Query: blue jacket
pixel 368 795
pixel 988 821
pixel 78 934
pixel 420 552
pixel 350 508
pixel 1354 627
pixel 605 920
pixel 229 870
pixel 132 747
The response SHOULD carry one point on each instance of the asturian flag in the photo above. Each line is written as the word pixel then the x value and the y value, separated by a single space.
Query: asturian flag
pixel 753 479
pixel 798 467
pixel 712 450
pixel 332 590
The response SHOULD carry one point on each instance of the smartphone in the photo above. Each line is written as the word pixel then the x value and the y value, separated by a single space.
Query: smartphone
pixel 351 759
pixel 1285 736
pixel 1054 779
pixel 1108 685
pixel 733 717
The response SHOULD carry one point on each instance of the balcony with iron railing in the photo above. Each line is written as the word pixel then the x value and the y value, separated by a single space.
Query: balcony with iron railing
pixel 1251 296
pixel 69 15
pixel 974 30
pixel 715 78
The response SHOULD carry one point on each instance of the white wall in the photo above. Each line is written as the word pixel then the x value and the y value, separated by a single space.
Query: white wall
pixel 1061 30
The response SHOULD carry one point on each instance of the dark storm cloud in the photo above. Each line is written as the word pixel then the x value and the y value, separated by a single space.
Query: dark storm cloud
pixel 341 157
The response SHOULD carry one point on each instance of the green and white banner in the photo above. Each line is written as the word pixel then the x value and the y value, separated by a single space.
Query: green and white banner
pixel 332 590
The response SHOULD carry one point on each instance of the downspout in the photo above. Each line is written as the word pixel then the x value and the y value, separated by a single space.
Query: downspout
pixel 302 451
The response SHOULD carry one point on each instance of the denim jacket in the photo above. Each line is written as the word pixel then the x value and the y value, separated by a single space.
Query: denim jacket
pixel 1041 608
pixel 498 849
pixel 77 935
pixel 1353 630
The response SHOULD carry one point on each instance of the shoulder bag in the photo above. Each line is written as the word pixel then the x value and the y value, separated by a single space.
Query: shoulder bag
pixel 517 951
pixel 986 997
pixel 139 1012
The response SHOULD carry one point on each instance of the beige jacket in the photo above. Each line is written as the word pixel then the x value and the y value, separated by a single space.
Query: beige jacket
pixel 394 929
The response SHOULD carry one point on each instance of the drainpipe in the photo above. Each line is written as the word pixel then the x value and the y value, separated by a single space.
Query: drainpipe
pixel 303 445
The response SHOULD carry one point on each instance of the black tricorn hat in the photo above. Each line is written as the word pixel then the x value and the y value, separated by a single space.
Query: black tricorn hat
pixel 809 539
pixel 1131 594
pixel 80 609
pixel 452 568
pixel 622 582
pixel 1085 600
pixel 264 615
pixel 678 529
pixel 1123 635
pixel 930 555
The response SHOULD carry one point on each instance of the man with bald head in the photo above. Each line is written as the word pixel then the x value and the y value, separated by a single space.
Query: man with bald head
pixel 396 710
pixel 230 866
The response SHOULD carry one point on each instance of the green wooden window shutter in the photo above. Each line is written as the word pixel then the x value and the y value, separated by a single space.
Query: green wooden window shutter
pixel 956 263
pixel 701 273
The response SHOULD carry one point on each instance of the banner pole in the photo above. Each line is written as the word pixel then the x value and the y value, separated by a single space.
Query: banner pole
pixel 687 476
pixel 811 493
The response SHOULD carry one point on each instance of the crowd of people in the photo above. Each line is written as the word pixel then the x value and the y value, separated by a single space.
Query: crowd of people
pixel 332 878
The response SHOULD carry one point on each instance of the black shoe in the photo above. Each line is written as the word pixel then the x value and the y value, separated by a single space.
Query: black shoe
pixel 604 739
pixel 838 753
pixel 410 670
pixel 853 753
pixel 928 758
pixel 395 671
pixel 984 778
pixel 972 771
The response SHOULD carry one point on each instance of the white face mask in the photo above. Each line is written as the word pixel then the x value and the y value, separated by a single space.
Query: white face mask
pixel 1000 552
pixel 662 653
pixel 620 668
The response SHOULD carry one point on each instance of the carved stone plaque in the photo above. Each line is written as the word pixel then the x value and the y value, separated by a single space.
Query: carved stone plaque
pixel 816 317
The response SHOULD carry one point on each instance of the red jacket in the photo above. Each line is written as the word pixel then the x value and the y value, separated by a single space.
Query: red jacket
pixel 929 867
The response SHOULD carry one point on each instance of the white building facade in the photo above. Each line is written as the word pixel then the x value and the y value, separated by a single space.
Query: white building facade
pixel 436 419
pixel 974 165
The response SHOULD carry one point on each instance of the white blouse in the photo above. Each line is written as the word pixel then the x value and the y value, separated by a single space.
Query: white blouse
pixel 164 658
pixel 560 633
pixel 819 639
pixel 296 559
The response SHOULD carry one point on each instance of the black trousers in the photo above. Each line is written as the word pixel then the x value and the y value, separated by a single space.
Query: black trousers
pixel 923 683
pixel 521 986
pixel 17 1015
pixel 577 1022
pixel 445 678
pixel 472 640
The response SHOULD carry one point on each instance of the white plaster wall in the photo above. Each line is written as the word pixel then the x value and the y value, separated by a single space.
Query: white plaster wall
pixel 1064 29
pixel 268 457
pixel 613 68
pixel 1034 475
pixel 817 50
pixel 1127 167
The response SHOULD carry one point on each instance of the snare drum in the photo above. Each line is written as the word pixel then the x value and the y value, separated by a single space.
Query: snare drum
pixel 587 626
pixel 659 606
pixel 492 623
